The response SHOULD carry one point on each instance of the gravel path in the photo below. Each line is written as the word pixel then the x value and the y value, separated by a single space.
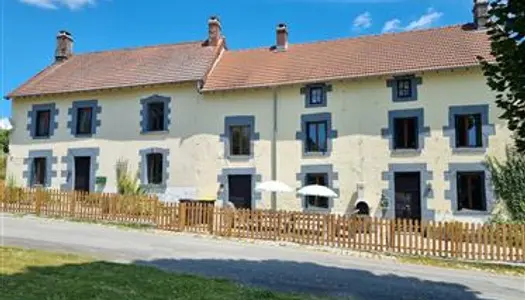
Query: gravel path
pixel 260 264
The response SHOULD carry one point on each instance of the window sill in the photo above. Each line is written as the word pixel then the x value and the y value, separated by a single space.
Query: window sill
pixel 239 157
pixel 46 137
pixel 405 99
pixel 84 135
pixel 316 154
pixel 317 210
pixel 405 152
pixel 466 150
pixel 154 188
pixel 159 132
pixel 469 212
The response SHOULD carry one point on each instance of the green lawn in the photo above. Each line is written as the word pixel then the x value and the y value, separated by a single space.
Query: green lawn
pixel 31 274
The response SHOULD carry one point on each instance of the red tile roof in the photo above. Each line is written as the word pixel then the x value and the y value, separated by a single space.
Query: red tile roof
pixel 121 68
pixel 387 54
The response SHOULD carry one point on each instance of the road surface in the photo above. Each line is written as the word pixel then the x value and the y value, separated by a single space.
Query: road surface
pixel 260 264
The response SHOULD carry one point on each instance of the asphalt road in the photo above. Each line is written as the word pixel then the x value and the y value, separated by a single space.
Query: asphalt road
pixel 263 265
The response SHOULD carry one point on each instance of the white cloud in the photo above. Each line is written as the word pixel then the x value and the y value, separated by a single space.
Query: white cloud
pixel 363 21
pixel 55 4
pixel 392 25
pixel 425 21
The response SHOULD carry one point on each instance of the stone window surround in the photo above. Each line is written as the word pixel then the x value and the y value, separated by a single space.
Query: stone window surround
pixel 69 160
pixel 143 171
pixel 422 130
pixel 452 193
pixel 32 115
pixel 306 92
pixel 144 102
pixel 225 137
pixel 73 113
pixel 332 176
pixel 223 179
pixel 51 161
pixel 415 81
pixel 426 178
pixel 487 129
pixel 330 135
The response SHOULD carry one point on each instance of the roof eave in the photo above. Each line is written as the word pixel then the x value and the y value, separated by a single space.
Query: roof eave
pixel 105 89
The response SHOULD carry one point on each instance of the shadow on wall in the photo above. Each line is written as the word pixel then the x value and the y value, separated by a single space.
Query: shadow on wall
pixel 103 280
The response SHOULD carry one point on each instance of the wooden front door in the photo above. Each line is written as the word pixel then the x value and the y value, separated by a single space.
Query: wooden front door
pixel 240 190
pixel 82 173
pixel 408 195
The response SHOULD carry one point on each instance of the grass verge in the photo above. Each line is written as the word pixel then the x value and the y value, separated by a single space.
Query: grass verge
pixel 31 274
pixel 498 268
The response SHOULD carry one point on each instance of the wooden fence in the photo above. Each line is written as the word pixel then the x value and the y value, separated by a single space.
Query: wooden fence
pixel 437 239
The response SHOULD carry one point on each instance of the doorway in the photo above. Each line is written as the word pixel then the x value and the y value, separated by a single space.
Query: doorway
pixel 82 174
pixel 408 195
pixel 240 191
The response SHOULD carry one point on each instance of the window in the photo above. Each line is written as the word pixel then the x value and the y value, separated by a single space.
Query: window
pixel 43 123
pixel 406 133
pixel 39 171
pixel 240 140
pixel 404 88
pixel 84 120
pixel 156 115
pixel 469 131
pixel 471 191
pixel 316 95
pixel 316 136
pixel 316 201
pixel 154 168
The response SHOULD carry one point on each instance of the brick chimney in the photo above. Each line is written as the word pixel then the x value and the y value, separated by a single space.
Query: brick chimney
pixel 64 49
pixel 282 37
pixel 481 15
pixel 214 31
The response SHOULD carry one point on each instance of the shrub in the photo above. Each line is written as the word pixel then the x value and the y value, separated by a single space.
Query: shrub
pixel 127 184
pixel 508 178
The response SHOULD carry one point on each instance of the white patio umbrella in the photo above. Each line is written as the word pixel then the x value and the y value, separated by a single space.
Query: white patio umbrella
pixel 273 186
pixel 316 190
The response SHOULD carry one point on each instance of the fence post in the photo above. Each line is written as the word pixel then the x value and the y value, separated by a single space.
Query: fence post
pixel 182 216
pixel 211 217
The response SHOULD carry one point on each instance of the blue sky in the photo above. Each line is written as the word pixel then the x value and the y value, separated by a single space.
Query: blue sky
pixel 29 27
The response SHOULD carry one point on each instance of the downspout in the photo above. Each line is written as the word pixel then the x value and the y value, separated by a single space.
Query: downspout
pixel 274 147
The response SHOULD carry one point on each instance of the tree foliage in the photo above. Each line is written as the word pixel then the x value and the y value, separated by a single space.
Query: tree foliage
pixel 506 75
pixel 4 141
pixel 508 178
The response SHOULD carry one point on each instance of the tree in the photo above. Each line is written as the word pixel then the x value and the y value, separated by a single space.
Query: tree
pixel 506 75
pixel 4 141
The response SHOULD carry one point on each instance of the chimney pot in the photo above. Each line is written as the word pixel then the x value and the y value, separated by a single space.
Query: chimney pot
pixel 64 47
pixel 282 37
pixel 481 13
pixel 214 31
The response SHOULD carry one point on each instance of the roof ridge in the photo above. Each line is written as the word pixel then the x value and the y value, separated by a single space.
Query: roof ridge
pixel 357 37
pixel 139 48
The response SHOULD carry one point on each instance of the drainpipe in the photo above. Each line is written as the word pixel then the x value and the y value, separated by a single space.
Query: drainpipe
pixel 274 147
